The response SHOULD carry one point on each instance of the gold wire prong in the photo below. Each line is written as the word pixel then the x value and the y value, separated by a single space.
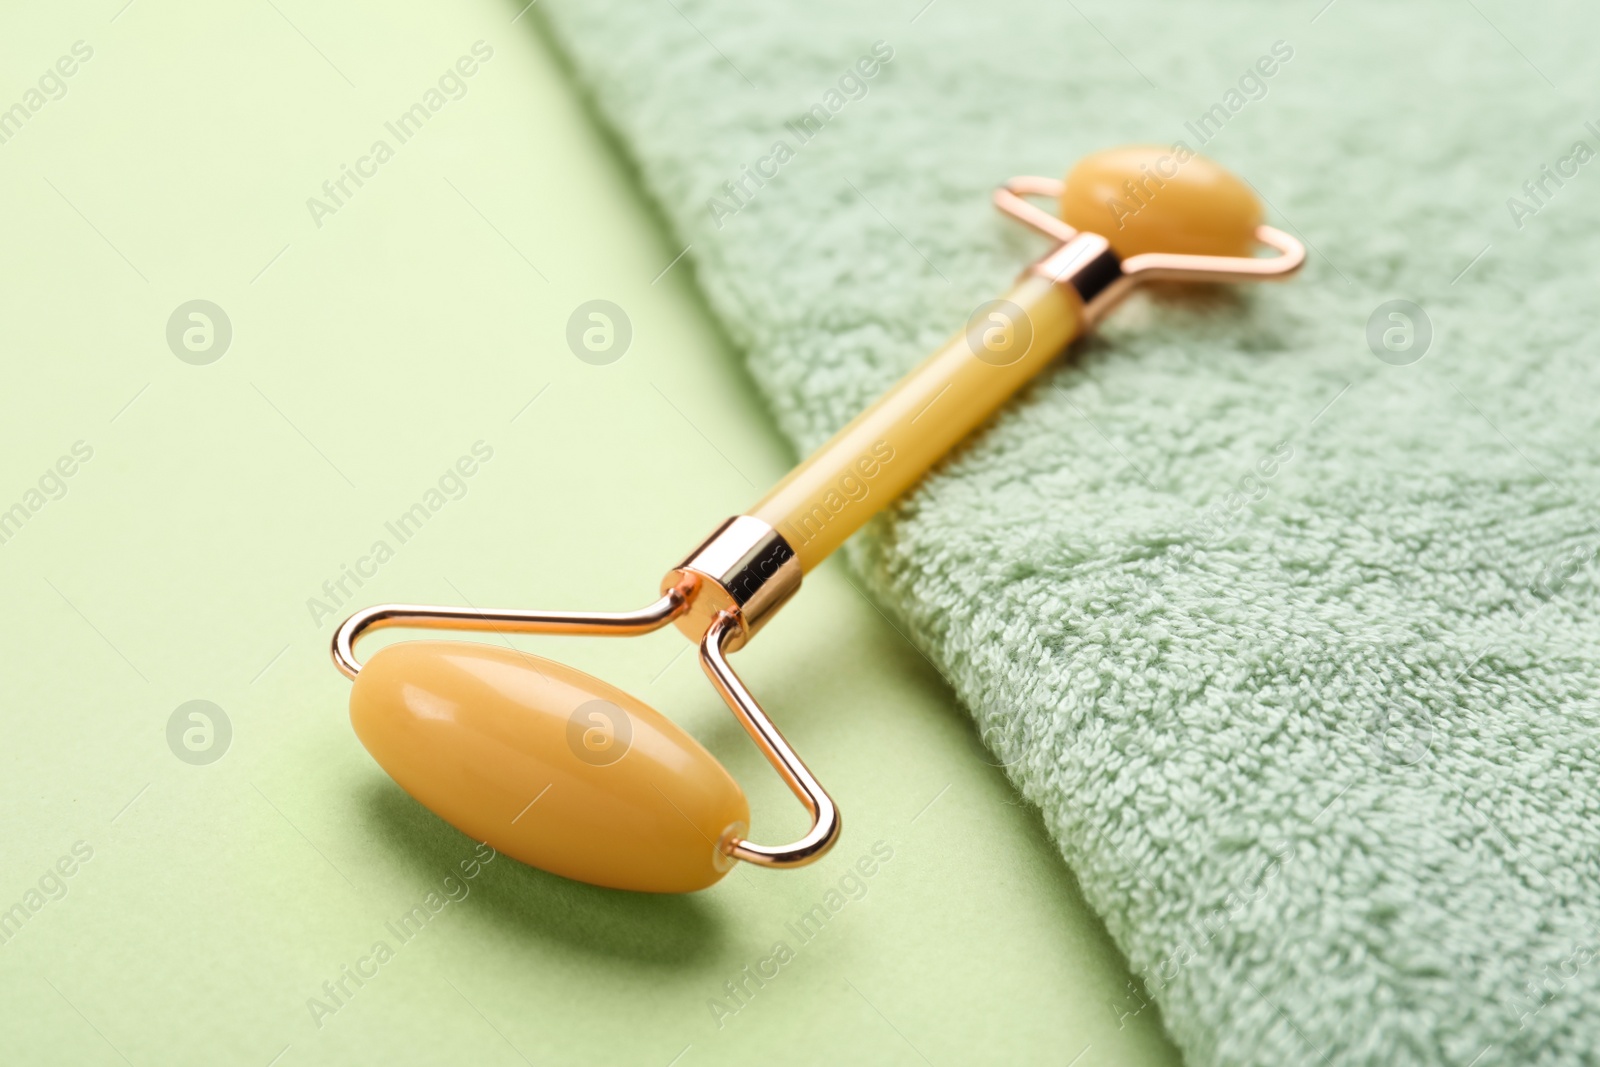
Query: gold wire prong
pixel 1166 266
pixel 1012 198
pixel 825 819
pixel 441 617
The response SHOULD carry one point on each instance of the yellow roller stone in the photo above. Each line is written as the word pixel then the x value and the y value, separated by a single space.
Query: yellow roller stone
pixel 549 765
pixel 1143 198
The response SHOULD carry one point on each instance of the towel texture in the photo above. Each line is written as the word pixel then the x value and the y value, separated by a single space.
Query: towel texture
pixel 1295 646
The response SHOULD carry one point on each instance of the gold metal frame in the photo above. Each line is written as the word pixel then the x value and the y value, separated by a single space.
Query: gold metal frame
pixel 746 570
pixel 430 617
pixel 1120 276
pixel 825 820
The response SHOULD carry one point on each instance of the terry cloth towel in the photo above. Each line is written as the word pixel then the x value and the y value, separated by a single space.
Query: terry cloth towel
pixel 1291 634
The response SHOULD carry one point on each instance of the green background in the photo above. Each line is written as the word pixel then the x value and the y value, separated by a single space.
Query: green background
pixel 428 313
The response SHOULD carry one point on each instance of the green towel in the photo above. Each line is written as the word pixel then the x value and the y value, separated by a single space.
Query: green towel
pixel 1281 608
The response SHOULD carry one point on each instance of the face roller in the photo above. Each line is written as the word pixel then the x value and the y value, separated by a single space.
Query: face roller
pixel 625 798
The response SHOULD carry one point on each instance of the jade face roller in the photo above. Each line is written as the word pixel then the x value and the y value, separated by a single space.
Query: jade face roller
pixel 562 771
